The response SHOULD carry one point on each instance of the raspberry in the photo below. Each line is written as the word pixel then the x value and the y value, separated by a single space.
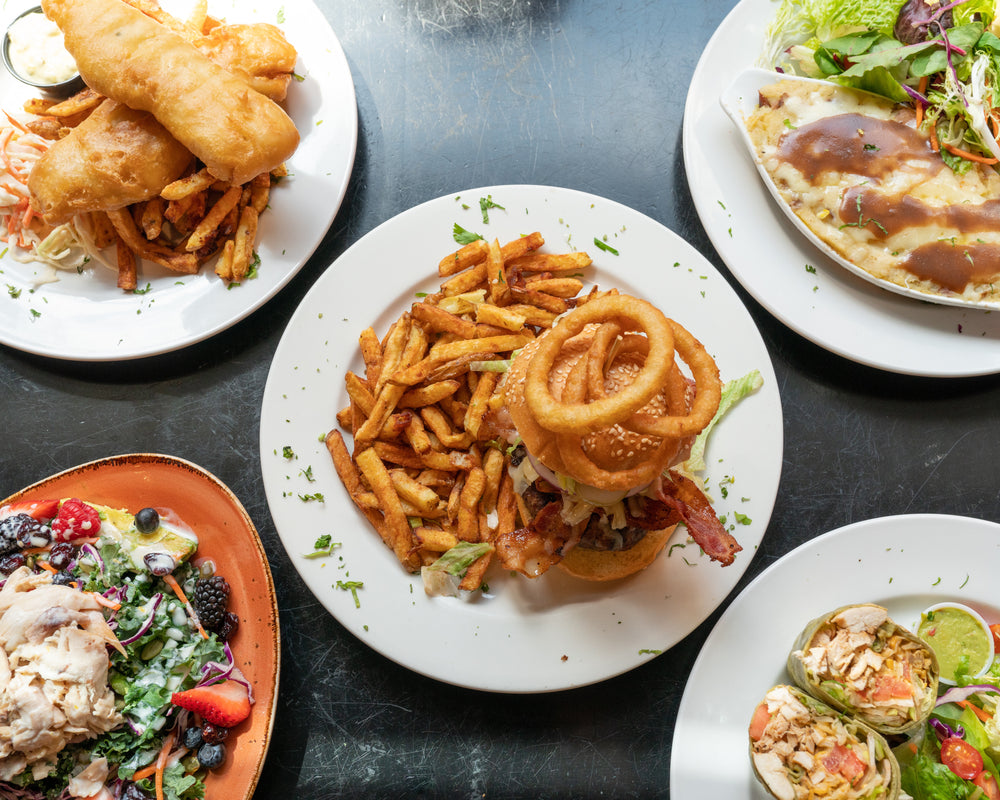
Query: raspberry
pixel 75 520
pixel 211 596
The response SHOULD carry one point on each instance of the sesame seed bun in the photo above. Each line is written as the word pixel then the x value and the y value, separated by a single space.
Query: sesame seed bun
pixel 612 448
pixel 611 565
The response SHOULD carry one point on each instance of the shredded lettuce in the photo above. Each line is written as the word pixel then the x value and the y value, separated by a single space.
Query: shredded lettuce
pixel 732 392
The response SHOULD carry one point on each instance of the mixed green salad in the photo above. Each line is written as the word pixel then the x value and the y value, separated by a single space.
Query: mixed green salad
pixel 957 754
pixel 940 58
pixel 176 688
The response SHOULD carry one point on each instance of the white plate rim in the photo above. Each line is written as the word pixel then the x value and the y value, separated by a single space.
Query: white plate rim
pixel 84 318
pixel 904 562
pixel 539 627
pixel 836 310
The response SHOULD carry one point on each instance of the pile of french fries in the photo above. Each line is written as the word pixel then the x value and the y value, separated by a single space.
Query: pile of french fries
pixel 193 218
pixel 429 464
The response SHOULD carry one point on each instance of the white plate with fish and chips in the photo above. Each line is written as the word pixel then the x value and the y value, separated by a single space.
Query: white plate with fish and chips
pixel 83 315
pixel 519 635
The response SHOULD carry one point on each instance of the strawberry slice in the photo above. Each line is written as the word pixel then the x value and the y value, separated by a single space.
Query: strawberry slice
pixel 75 520
pixel 226 703
pixel 42 510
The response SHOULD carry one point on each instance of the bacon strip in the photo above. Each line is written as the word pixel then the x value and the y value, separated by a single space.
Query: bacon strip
pixel 702 522
pixel 532 550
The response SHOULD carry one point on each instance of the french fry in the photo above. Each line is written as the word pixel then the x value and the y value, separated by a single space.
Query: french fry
pixel 417 436
pixel 467 520
pixel 127 278
pixel 478 403
pixel 185 187
pixel 496 274
pixel 559 287
pixel 122 220
pixel 260 192
pixel 500 317
pixel 209 225
pixel 441 354
pixel 463 258
pixel 551 262
pixel 436 319
pixel 246 232
pixel 506 507
pixel 429 394
pixel 421 497
pixel 224 265
pixel 101 230
pixel 348 473
pixel 397 531
pixel 547 302
pixel 439 424
pixel 151 217
pixel 436 540
pixel 494 467
pixel 371 352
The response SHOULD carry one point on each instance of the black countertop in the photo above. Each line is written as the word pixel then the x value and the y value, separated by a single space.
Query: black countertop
pixel 454 94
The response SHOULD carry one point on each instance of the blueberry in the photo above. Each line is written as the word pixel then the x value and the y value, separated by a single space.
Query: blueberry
pixel 147 520
pixel 211 756
pixel 192 738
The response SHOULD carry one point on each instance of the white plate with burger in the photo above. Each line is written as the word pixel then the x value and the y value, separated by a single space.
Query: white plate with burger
pixel 85 316
pixel 518 634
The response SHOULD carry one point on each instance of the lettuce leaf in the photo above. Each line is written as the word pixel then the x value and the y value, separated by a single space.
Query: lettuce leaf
pixel 732 392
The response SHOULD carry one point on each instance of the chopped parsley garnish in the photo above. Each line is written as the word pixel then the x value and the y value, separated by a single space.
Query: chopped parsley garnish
pixel 287 451
pixel 352 587
pixel 462 236
pixel 13 291
pixel 323 547
pixel 148 288
pixel 485 204
pixel 308 498
pixel 307 473
pixel 607 248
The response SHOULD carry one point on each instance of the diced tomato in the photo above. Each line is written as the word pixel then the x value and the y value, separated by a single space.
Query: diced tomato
pixel 961 758
pixel 996 636
pixel 890 687
pixel 985 781
pixel 844 761
pixel 760 719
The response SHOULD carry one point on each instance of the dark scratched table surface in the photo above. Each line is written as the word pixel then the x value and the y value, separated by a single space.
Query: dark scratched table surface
pixel 453 94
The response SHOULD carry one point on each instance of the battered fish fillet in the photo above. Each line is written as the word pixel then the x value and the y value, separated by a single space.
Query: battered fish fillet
pixel 234 130
pixel 115 157
pixel 120 156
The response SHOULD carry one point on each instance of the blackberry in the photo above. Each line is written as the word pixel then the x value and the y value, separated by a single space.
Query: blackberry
pixel 227 630
pixel 63 579
pixel 213 734
pixel 133 792
pixel 211 756
pixel 12 528
pixel 61 555
pixel 211 596
pixel 11 561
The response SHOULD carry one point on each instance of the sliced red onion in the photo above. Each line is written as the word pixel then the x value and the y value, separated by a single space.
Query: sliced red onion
pixel 147 624
pixel 945 731
pixel 964 692
pixel 91 551
pixel 216 672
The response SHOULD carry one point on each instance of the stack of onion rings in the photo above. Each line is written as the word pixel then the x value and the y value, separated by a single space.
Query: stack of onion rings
pixel 625 330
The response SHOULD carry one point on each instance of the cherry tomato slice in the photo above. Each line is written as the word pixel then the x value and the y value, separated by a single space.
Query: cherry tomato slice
pixel 995 630
pixel 986 782
pixel 961 758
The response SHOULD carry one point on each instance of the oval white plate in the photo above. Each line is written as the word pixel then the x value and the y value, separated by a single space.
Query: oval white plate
pixel 525 636
pixel 904 563
pixel 86 317
pixel 739 101
pixel 839 311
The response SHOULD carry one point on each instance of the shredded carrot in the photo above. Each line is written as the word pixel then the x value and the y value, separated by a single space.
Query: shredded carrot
pixel 171 581
pixel 922 88
pixel 47 566
pixel 957 151
pixel 984 716
pixel 161 763
pixel 102 600
pixel 934 139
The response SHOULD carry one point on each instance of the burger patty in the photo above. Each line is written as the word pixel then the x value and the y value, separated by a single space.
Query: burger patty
pixel 642 514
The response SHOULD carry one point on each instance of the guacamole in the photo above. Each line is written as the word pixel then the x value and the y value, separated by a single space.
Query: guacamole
pixel 958 639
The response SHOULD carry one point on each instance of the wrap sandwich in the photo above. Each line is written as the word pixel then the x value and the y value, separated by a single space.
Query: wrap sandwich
pixel 857 660
pixel 801 748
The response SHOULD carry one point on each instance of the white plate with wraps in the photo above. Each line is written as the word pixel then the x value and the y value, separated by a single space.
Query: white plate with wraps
pixel 904 563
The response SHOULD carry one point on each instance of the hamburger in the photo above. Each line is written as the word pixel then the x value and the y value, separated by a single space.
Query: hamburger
pixel 609 513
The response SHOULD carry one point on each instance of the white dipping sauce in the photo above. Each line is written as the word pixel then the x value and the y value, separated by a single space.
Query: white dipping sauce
pixel 37 52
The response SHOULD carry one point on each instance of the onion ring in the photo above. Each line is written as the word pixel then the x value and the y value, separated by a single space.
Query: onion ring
pixel 707 395
pixel 583 417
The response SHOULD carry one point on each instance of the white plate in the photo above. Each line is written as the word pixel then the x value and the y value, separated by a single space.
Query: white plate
pixel 904 563
pixel 86 317
pixel 741 100
pixel 525 636
pixel 766 253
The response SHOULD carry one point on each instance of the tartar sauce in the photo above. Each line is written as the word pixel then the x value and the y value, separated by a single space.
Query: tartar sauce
pixel 37 52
